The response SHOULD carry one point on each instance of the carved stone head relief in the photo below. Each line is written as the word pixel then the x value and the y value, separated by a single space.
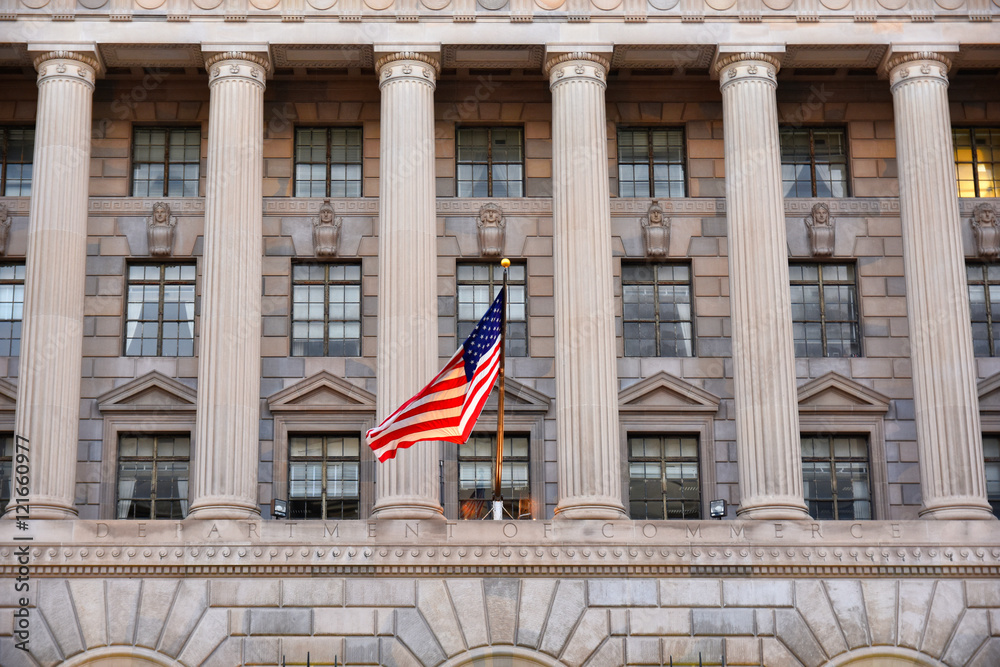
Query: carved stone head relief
pixel 985 230
pixel 160 230
pixel 822 233
pixel 492 230
pixel 655 231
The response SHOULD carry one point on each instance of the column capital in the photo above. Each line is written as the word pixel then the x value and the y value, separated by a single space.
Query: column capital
pixel 408 64
pixel 67 64
pixel 920 65
pixel 744 65
pixel 577 65
pixel 253 67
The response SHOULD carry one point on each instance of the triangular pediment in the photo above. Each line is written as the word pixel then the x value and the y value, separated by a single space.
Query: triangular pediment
pixel 8 396
pixel 989 394
pixel 666 393
pixel 833 392
pixel 322 391
pixel 518 397
pixel 152 391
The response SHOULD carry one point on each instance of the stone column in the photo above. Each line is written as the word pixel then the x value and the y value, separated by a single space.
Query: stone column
pixel 767 420
pixel 407 487
pixel 48 391
pixel 586 374
pixel 226 447
pixel 949 438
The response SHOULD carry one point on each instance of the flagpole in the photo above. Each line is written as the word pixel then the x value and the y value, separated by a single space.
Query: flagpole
pixel 497 492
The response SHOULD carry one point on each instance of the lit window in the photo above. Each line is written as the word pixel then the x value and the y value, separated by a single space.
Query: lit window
pixel 656 309
pixel 475 477
pixel 6 468
pixel 835 477
pixel 328 162
pixel 160 310
pixel 326 310
pixel 490 162
pixel 663 477
pixel 977 161
pixel 166 161
pixel 324 477
pixel 11 308
pixel 825 310
pixel 991 450
pixel 478 285
pixel 813 162
pixel 17 148
pixel 153 476
pixel 651 162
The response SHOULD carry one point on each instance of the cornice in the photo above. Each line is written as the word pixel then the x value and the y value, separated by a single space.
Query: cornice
pixel 576 55
pixel 407 55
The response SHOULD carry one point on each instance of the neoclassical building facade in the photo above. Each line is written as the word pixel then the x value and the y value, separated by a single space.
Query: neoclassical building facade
pixel 752 367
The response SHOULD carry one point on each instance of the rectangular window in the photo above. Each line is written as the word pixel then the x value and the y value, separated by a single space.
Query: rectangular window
pixel 977 161
pixel 166 161
pixel 324 477
pixel 328 162
pixel 17 148
pixel 651 162
pixel 160 320
pixel 835 477
pixel 153 476
pixel 813 162
pixel 478 285
pixel 984 305
pixel 490 162
pixel 656 310
pixel 326 310
pixel 991 450
pixel 475 476
pixel 663 477
pixel 11 308
pixel 825 310
pixel 6 468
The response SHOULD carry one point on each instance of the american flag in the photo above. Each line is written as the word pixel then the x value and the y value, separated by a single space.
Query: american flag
pixel 448 407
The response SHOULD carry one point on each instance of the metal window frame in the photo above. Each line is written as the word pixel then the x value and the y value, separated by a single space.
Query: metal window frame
pixel 162 282
pixel 509 503
pixel 975 158
pixel 4 500
pixel 166 155
pixel 833 460
pixel 4 155
pixel 494 284
pixel 820 283
pixel 663 460
pixel 328 129
pixel 649 129
pixel 992 459
pixel 489 155
pixel 326 283
pixel 154 459
pixel 324 460
pixel 812 129
pixel 984 267
pixel 14 281
pixel 656 321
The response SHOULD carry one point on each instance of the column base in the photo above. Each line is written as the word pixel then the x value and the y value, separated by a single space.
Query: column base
pixel 407 510
pixel 40 510
pixel 581 511
pixel 964 511
pixel 774 511
pixel 221 509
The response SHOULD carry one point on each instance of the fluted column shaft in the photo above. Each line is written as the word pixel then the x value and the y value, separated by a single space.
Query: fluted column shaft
pixel 226 448
pixel 586 374
pixel 48 392
pixel 767 422
pixel 407 486
pixel 949 438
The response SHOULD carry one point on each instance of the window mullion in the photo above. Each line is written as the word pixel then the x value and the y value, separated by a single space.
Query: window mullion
pixel 989 310
pixel 329 158
pixel 812 161
pixel 159 311
pixel 4 136
pixel 166 163
pixel 322 483
pixel 489 166
pixel 326 311
pixel 652 181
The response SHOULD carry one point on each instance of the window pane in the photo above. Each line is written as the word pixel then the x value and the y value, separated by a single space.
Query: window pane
pixel 664 481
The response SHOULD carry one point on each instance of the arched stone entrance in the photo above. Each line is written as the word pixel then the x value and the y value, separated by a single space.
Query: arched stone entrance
pixel 502 656
pixel 120 656
pixel 883 656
